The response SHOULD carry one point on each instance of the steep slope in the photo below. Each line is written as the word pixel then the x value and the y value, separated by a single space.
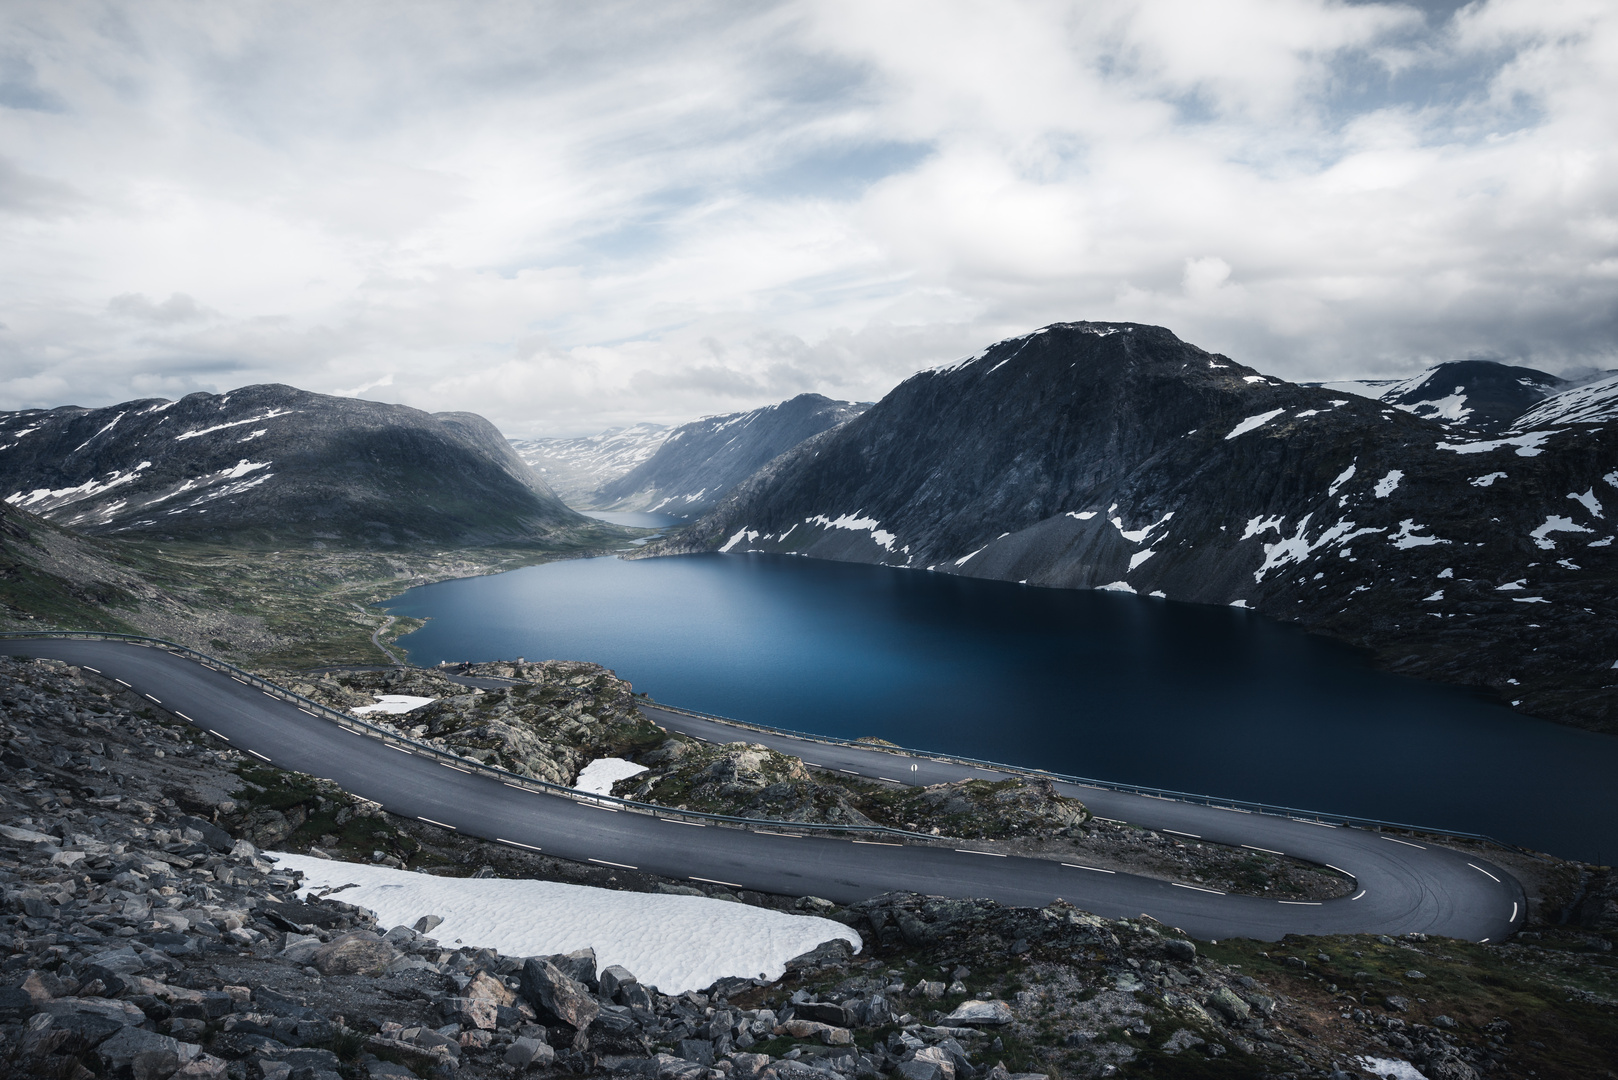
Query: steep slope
pixel 275 465
pixel 1478 394
pixel 1115 456
pixel 701 461
pixel 1592 403
pixel 576 468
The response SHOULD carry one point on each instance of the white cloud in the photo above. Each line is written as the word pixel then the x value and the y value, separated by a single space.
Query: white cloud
pixel 568 216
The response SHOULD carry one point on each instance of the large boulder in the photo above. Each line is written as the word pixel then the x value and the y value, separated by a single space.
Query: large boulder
pixel 979 1014
pixel 555 994
pixel 144 1055
pixel 359 953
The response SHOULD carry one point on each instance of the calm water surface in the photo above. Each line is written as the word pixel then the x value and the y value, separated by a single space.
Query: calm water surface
pixel 1118 687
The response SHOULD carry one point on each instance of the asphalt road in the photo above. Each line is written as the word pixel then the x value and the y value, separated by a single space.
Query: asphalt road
pixel 1402 885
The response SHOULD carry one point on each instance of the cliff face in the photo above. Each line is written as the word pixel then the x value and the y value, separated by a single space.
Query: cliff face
pixel 274 464
pixel 1115 456
pixel 700 462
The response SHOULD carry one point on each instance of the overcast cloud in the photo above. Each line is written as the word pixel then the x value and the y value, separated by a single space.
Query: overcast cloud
pixel 570 216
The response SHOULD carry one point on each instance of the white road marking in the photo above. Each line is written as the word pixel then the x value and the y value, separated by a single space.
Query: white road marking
pixel 1513 912
pixel 1483 941
pixel 621 866
pixel 440 824
pixel 716 881
pixel 256 754
pixel 1198 888
pixel 211 731
pixel 401 749
pixel 518 843
pixel 304 710
pixel 1231 809
pixel 1267 851
pixel 1322 824
pixel 969 851
pixel 121 682
pixel 509 784
pixel 814 765
pixel 240 680
pixel 1192 835
pixel 1406 843
pixel 1092 869
pixel 878 843
pixel 850 772
pixel 457 768
pixel 1300 903
pixel 184 717
pixel 887 780
pixel 693 824
pixel 1484 872
pixel 150 698
pixel 598 806
pixel 87 667
pixel 1357 895
pixel 1339 869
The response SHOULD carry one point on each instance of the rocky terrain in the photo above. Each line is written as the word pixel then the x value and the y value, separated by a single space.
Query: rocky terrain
pixel 274 466
pixel 1480 395
pixel 144 936
pixel 1115 456
pixel 698 463
pixel 576 468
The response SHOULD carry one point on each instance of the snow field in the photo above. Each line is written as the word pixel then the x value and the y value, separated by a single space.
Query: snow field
pixel 675 943
pixel 393 704
pixel 598 777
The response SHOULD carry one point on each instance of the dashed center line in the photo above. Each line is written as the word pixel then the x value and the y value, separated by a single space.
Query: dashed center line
pixel 1267 851
pixel 693 824
pixel 1092 869
pixel 211 731
pixel 401 749
pixel 1406 843
pixel 457 768
pixel 440 824
pixel 184 717
pixel 256 754
pixel 716 881
pixel 1197 888
pixel 1484 872
pixel 149 697
pixel 969 851
pixel 121 682
pixel 621 866
pixel 1192 835
pixel 518 843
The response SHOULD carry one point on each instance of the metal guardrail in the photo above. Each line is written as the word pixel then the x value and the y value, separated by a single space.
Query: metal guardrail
pixel 1239 805
pixel 469 765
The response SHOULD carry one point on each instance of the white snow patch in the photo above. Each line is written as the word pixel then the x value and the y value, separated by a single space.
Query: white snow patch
pixel 1591 503
pixel 1605 542
pixel 1510 585
pixel 1388 484
pixel 158 408
pixel 1529 600
pixel 675 943
pixel 1137 536
pixel 100 433
pixel 1298 547
pixel 1385 1068
pixel 1612 478
pixel 744 533
pixel 1555 523
pixel 1139 557
pixel 1159 593
pixel 1253 422
pixel 1591 403
pixel 1081 515
pixel 393 704
pixel 1406 537
pixel 1487 479
pixel 1447 572
pixel 1238 603
pixel 1252 378
pixel 46 498
pixel 854 523
pixel 1439 595
pixel 1116 586
pixel 271 415
pixel 1527 445
pixel 598 777
pixel 1342 478
pixel 1256 525
pixel 965 558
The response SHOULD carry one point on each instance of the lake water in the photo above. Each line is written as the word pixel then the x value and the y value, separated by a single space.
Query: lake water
pixel 1117 687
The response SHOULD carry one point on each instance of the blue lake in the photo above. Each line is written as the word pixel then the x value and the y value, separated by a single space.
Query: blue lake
pixel 1123 688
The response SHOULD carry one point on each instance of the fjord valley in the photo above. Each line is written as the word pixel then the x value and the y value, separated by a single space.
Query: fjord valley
pixel 977 529
pixel 1115 456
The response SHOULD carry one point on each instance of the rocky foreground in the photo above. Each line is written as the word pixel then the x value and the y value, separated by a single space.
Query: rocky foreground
pixel 141 939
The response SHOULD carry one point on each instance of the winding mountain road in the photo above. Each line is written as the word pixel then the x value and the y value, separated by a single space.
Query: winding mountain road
pixel 1402 885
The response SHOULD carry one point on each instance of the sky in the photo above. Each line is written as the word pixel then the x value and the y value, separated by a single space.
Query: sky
pixel 569 217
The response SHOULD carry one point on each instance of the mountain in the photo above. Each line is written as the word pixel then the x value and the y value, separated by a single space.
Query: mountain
pixel 275 465
pixel 1116 456
pixel 575 468
pixel 701 461
pixel 1592 403
pixel 1478 394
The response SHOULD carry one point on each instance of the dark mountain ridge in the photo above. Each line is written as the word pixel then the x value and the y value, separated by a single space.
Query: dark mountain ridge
pixel 1116 456
pixel 274 464
pixel 700 462
pixel 1478 394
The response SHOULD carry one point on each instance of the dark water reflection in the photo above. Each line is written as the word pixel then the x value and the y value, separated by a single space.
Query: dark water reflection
pixel 1179 696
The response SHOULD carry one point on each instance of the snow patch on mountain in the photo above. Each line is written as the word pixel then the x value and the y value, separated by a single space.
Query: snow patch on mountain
pixel 1253 422
pixel 1528 445
pixel 1555 523
pixel 1592 403
pixel 854 523
pixel 270 414
pixel 42 499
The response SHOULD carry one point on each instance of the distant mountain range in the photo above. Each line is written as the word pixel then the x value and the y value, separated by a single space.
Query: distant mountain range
pixel 1477 394
pixel 1116 456
pixel 275 465
pixel 698 463
pixel 575 468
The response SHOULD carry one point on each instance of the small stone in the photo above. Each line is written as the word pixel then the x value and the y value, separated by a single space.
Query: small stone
pixel 1413 974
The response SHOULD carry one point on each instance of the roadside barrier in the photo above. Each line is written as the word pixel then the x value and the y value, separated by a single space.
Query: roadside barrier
pixel 353 723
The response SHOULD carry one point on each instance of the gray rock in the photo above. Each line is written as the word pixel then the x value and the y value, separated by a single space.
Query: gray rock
pixel 300 948
pixel 556 994
pixel 825 1012
pixel 1226 1003
pixel 126 1013
pixel 144 1055
pixel 387 1070
pixel 1395 1003
pixel 471 1012
pixel 979 1014
pixel 1182 1039
pixel 612 980
pixel 427 923
pixel 1449 1066
pixel 125 961
pixel 359 953
pixel 1180 949
pixel 698 1050
pixel 529 1053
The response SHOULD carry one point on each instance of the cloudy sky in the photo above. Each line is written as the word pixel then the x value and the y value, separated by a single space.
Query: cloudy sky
pixel 570 216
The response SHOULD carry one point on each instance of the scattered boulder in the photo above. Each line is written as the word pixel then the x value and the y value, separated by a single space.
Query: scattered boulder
pixel 979 1014
pixel 555 994
pixel 358 953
